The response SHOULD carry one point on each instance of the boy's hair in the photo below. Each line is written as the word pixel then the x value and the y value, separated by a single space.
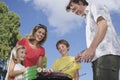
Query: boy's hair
pixel 76 1
pixel 62 41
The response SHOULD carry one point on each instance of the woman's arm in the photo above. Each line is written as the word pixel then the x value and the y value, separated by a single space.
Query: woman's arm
pixel 39 63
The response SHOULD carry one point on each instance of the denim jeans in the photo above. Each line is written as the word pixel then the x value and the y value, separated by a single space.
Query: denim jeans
pixel 106 68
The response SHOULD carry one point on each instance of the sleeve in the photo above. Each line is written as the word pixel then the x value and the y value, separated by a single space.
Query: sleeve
pixel 54 66
pixel 21 41
pixel 97 12
pixel 77 65
pixel 42 52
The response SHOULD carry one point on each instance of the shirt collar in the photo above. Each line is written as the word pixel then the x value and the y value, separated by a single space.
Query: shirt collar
pixel 87 9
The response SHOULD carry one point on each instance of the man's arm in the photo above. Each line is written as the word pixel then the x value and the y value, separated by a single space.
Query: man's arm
pixel 89 53
pixel 100 32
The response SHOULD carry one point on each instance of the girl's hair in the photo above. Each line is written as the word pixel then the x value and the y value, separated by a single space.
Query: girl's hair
pixel 14 53
pixel 62 41
pixel 32 37
pixel 77 2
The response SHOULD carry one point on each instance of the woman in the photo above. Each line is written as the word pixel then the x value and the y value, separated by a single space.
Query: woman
pixel 33 44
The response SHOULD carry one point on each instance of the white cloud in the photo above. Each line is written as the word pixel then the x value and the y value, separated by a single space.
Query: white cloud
pixel 112 5
pixel 62 21
pixel 57 15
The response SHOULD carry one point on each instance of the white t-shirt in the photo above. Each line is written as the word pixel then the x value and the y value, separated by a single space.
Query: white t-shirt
pixel 110 44
pixel 19 67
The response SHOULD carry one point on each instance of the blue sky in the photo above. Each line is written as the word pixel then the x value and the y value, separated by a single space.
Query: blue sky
pixel 60 24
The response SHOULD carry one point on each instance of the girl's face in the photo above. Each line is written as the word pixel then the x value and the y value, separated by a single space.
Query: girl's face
pixel 21 54
pixel 62 48
pixel 78 9
pixel 39 34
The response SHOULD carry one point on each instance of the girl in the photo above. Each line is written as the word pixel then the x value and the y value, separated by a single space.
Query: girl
pixel 16 70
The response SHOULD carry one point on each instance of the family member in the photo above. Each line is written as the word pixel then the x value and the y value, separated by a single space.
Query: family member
pixel 66 63
pixel 33 45
pixel 15 72
pixel 103 47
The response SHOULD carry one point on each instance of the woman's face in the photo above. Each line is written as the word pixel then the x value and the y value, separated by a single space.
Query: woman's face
pixel 39 34
pixel 21 54
pixel 62 48
pixel 78 9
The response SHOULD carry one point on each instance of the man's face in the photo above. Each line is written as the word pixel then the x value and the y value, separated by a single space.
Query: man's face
pixel 78 9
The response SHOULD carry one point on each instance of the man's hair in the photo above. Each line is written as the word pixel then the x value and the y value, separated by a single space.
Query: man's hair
pixel 76 1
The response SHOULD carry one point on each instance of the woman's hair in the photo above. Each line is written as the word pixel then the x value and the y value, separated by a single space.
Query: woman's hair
pixel 14 53
pixel 62 41
pixel 77 2
pixel 32 37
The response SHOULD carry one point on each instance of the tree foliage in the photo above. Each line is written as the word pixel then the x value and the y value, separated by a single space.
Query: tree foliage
pixel 9 31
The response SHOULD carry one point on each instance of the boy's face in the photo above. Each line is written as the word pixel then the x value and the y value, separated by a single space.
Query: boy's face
pixel 77 8
pixel 21 54
pixel 62 48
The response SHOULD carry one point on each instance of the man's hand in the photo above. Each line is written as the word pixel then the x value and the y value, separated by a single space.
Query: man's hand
pixel 85 56
pixel 78 56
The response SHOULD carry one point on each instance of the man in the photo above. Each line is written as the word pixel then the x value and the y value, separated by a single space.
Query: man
pixel 103 47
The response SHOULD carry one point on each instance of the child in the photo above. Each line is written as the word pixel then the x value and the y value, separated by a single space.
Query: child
pixel 15 71
pixel 66 64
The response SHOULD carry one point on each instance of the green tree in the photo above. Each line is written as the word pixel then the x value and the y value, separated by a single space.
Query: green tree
pixel 9 31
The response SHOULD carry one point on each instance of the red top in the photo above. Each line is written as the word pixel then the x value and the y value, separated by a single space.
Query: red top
pixel 32 55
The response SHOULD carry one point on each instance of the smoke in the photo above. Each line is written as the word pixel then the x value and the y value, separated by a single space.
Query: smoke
pixel 63 22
